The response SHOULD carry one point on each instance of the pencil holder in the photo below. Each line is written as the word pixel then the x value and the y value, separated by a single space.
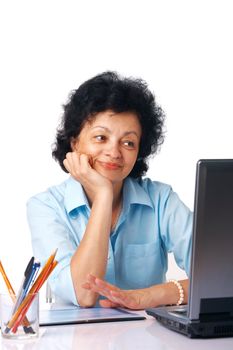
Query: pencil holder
pixel 21 322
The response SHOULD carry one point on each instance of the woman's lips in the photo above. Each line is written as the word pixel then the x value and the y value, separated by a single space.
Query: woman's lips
pixel 110 166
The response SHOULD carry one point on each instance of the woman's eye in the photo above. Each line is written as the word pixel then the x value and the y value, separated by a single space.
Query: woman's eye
pixel 129 144
pixel 100 138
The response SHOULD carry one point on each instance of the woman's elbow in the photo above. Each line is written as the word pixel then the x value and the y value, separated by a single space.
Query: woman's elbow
pixel 87 300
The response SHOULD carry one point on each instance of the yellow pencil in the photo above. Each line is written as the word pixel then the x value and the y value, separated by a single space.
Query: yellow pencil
pixel 8 284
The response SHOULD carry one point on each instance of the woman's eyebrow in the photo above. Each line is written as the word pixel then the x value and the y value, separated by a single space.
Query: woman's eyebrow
pixel 131 132
pixel 109 131
pixel 100 127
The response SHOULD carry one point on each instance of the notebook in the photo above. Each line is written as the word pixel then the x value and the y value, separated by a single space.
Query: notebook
pixel 209 312
pixel 74 315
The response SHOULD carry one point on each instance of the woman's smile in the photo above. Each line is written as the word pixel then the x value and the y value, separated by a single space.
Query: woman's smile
pixel 110 165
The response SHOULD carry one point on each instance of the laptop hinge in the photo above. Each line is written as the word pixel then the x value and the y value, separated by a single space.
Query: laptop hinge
pixel 213 309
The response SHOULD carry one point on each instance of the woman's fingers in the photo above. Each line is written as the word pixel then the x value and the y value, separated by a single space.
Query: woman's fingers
pixel 101 287
pixel 95 288
pixel 77 164
pixel 105 285
pixel 108 303
pixel 86 285
pixel 115 296
pixel 105 302
pixel 71 162
pixel 101 283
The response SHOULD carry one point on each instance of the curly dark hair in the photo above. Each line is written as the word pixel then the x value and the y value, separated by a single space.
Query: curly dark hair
pixel 109 91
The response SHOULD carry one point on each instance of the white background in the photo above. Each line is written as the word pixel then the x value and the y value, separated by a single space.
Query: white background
pixel 182 48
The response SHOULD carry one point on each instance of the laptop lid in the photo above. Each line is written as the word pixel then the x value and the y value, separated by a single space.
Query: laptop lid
pixel 211 283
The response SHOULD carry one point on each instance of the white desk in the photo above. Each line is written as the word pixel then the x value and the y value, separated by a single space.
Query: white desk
pixel 127 335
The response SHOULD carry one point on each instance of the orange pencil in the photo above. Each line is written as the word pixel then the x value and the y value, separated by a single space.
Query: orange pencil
pixel 43 272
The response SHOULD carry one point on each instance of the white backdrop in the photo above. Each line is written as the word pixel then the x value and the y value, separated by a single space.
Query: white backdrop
pixel 182 48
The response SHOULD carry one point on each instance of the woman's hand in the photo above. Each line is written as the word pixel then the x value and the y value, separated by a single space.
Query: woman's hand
pixel 160 294
pixel 79 165
pixel 131 299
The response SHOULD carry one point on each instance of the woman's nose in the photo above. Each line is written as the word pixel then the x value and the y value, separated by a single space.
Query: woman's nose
pixel 113 150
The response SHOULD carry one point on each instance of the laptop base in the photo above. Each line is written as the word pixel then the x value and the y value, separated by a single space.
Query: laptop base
pixel 193 329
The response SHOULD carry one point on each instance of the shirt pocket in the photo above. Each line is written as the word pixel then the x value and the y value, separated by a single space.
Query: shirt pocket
pixel 142 266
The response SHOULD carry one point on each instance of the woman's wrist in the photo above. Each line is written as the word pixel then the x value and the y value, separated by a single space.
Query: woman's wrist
pixel 104 195
pixel 180 290
pixel 168 293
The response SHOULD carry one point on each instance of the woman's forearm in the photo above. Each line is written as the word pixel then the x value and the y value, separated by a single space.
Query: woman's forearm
pixel 92 253
pixel 136 299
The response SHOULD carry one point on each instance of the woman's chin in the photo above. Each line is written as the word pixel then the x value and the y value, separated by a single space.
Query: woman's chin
pixel 111 176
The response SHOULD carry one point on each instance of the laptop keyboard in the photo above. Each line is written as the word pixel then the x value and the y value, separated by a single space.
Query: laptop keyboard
pixel 180 312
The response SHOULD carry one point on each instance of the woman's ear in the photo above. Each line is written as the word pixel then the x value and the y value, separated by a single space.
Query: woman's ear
pixel 74 144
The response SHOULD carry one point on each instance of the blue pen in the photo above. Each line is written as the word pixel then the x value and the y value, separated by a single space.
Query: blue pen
pixel 31 275
pixel 20 295
pixel 30 278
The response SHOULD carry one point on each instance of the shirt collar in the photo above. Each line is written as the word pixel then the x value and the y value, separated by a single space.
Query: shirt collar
pixel 74 197
pixel 134 193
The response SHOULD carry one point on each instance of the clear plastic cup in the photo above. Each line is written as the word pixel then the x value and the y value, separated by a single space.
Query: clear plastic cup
pixel 28 327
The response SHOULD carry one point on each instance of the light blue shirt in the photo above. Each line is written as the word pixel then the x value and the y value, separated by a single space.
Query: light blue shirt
pixel 153 222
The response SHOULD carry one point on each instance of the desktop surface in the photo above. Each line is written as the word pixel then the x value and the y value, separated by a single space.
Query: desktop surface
pixel 144 334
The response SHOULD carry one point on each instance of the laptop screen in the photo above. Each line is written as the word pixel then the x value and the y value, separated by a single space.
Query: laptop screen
pixel 211 283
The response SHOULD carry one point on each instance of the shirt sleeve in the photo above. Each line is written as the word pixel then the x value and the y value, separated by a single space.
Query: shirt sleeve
pixel 176 229
pixel 48 233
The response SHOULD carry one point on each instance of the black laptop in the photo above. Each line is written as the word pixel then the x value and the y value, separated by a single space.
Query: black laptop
pixel 209 312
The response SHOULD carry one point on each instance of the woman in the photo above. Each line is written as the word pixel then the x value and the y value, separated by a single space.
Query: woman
pixel 106 220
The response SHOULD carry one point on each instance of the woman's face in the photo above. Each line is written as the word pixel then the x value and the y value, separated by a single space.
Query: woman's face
pixel 112 142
